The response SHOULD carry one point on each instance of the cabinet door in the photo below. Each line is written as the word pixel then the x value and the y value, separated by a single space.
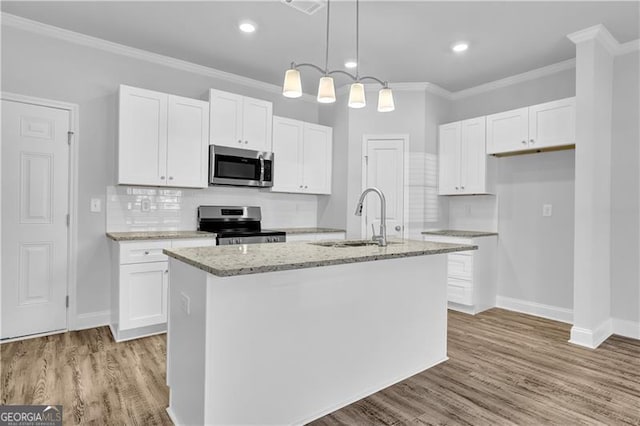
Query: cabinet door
pixel 316 154
pixel 257 122
pixel 142 137
pixel 449 159
pixel 287 155
pixel 473 160
pixel 225 123
pixel 187 142
pixel 143 294
pixel 508 131
pixel 552 124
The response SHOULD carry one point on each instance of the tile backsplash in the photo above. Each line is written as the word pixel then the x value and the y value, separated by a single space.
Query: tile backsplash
pixel 154 209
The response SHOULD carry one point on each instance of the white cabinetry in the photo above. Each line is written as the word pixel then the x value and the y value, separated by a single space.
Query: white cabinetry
pixel 547 125
pixel 321 236
pixel 240 122
pixel 302 157
pixel 162 139
pixel 140 286
pixel 464 166
pixel 471 275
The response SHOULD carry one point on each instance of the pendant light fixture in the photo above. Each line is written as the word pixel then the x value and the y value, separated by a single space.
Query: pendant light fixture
pixel 292 87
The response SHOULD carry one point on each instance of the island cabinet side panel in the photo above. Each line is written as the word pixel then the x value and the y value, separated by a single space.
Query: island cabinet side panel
pixel 287 347
pixel 186 343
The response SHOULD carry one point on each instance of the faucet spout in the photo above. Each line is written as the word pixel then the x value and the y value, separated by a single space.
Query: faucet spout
pixel 382 237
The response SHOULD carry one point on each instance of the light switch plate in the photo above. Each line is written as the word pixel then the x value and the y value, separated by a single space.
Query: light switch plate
pixel 547 210
pixel 96 205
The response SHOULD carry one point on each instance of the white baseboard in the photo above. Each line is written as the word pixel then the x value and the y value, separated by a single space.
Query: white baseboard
pixel 591 338
pixel 538 309
pixel 626 328
pixel 92 319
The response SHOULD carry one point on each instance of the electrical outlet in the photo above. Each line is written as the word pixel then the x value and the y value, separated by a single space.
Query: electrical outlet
pixel 96 205
pixel 185 303
pixel 547 210
pixel 145 205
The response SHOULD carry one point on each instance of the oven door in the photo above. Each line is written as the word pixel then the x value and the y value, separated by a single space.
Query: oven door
pixel 240 167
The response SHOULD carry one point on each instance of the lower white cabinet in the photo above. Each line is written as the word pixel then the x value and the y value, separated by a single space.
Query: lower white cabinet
pixel 471 275
pixel 321 236
pixel 140 286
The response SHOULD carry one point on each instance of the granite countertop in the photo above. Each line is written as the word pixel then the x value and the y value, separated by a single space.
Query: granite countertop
pixel 158 235
pixel 310 230
pixel 226 261
pixel 460 233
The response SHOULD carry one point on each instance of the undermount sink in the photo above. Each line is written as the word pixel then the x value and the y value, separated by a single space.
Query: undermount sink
pixel 349 243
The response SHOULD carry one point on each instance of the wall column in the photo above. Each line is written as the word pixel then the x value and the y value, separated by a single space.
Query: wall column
pixel 592 248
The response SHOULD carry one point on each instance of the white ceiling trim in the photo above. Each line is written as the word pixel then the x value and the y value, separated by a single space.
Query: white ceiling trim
pixel 515 79
pixel 402 87
pixel 36 27
pixel 599 32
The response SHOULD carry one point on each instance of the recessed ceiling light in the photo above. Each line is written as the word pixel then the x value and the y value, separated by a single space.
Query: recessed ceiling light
pixel 247 27
pixel 350 64
pixel 460 47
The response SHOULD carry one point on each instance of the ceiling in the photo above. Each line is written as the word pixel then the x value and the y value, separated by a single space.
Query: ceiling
pixel 400 41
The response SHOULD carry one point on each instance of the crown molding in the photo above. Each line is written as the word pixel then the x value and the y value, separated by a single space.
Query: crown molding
pixel 402 87
pixel 515 79
pixel 36 27
pixel 601 34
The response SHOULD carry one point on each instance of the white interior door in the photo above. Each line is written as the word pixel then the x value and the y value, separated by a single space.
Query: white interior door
pixel 384 169
pixel 35 200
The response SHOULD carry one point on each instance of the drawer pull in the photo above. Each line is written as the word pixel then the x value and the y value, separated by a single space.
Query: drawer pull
pixel 146 253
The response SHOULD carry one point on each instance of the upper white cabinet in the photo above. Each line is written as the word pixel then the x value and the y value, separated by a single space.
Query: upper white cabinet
pixel 463 159
pixel 551 124
pixel 302 157
pixel 162 139
pixel 240 122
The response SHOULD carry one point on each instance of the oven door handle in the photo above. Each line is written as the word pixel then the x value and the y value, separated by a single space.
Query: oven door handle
pixel 261 158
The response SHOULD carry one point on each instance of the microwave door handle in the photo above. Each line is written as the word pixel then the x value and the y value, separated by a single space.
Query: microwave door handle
pixel 261 158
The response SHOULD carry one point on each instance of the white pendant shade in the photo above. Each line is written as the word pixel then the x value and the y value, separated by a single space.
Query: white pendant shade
pixel 292 87
pixel 385 100
pixel 356 96
pixel 326 90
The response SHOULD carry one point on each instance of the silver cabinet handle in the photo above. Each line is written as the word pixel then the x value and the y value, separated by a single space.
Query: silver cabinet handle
pixel 300 186
pixel 524 142
pixel 162 177
pixel 246 142
pixel 146 253
pixel 166 271
pixel 305 187
pixel 532 141
pixel 457 188
pixel 398 228
pixel 239 140
pixel 462 187
pixel 170 177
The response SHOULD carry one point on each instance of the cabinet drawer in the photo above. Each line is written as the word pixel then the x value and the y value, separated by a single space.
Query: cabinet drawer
pixel 139 252
pixel 460 291
pixel 195 242
pixel 460 265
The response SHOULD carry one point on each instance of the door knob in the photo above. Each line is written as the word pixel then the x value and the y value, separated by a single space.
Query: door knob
pixel 398 228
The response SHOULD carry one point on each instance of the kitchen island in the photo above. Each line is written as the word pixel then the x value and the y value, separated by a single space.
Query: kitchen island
pixel 285 333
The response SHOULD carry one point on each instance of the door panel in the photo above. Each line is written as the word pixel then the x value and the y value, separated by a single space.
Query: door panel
pixel 552 124
pixel 187 142
pixel 35 185
pixel 385 170
pixel 508 131
pixel 474 158
pixel 449 159
pixel 143 299
pixel 256 128
pixel 317 159
pixel 287 147
pixel 225 119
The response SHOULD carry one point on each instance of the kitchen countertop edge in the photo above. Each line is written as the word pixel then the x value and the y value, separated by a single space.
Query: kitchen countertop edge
pixel 460 233
pixel 158 235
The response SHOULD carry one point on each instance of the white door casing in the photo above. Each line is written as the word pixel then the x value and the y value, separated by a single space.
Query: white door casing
pixel 384 167
pixel 35 240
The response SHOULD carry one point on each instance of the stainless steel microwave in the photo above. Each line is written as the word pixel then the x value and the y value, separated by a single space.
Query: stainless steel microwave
pixel 240 167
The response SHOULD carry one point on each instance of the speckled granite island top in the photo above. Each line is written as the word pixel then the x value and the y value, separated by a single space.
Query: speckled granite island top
pixel 158 235
pixel 311 230
pixel 459 233
pixel 226 261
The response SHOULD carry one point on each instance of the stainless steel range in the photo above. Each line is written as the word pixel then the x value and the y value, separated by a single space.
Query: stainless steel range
pixel 236 225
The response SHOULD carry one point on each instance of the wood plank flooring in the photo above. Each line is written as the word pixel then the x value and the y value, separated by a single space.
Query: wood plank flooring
pixel 504 368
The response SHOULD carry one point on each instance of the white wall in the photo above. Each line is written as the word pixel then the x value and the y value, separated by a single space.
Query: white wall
pixel 625 182
pixel 44 67
pixel 535 257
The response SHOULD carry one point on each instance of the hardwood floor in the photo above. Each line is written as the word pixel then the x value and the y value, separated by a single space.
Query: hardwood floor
pixel 504 368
